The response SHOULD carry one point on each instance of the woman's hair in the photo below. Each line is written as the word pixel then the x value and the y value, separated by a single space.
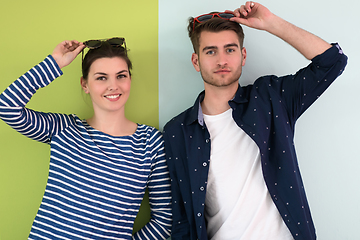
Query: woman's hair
pixel 104 51
pixel 215 24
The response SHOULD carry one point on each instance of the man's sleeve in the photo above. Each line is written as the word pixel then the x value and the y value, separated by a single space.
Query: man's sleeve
pixel 302 89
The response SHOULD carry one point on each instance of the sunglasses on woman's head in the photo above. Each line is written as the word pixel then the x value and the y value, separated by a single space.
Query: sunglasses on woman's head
pixel 114 42
pixel 208 16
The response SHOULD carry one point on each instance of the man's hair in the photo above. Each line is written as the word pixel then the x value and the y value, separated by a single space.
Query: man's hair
pixel 215 24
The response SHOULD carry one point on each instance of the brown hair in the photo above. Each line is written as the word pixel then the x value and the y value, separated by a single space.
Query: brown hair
pixel 105 51
pixel 215 24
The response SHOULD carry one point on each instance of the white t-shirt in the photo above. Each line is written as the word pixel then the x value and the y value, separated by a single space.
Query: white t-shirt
pixel 238 204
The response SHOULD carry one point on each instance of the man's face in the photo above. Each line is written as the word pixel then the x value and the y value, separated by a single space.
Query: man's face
pixel 220 58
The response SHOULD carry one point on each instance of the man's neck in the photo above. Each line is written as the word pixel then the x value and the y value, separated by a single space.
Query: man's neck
pixel 216 99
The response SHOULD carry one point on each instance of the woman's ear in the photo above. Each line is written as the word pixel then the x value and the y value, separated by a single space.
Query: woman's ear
pixel 84 85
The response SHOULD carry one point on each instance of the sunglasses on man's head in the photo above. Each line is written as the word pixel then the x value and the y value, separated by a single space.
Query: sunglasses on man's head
pixel 208 16
pixel 114 42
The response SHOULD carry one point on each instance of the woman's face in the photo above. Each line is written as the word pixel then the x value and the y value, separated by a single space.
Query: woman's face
pixel 108 84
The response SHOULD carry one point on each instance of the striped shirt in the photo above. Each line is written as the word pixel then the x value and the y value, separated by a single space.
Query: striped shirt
pixel 96 181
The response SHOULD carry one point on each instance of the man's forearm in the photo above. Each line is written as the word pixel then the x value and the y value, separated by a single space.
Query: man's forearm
pixel 305 42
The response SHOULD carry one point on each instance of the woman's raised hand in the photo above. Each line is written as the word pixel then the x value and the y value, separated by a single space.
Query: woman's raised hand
pixel 66 51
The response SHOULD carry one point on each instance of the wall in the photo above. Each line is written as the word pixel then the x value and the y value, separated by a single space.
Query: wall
pixel 29 32
pixel 327 135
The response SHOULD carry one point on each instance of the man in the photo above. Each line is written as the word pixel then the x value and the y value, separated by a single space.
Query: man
pixel 231 156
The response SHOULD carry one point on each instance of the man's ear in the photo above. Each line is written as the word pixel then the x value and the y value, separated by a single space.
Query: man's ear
pixel 84 86
pixel 195 61
pixel 243 53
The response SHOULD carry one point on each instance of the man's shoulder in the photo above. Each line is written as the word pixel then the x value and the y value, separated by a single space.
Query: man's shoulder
pixel 179 120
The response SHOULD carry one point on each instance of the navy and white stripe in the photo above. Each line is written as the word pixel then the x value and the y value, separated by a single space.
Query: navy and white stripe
pixel 96 181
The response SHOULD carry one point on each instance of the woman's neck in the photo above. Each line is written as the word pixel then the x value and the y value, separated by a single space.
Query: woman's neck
pixel 112 124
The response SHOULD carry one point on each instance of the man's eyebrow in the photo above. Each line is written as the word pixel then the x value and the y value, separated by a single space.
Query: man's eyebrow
pixel 208 48
pixel 225 46
pixel 231 45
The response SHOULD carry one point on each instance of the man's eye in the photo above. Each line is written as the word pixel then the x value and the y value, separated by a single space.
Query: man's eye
pixel 211 52
pixel 230 50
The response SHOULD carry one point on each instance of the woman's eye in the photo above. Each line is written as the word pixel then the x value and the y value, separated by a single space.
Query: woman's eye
pixel 101 78
pixel 121 76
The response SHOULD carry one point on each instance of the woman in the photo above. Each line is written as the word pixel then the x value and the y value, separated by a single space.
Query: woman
pixel 99 167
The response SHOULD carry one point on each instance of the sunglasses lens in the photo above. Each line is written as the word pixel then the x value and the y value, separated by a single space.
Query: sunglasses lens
pixel 93 43
pixel 226 15
pixel 116 41
pixel 205 18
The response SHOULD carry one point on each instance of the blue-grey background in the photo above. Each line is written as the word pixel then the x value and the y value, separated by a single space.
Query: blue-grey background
pixel 327 136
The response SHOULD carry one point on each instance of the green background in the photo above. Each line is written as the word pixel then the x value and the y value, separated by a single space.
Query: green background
pixel 29 32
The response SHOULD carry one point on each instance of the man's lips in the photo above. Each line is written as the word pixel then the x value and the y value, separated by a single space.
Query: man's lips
pixel 222 71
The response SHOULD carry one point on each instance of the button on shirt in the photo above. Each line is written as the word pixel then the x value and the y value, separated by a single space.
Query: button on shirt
pixel 267 111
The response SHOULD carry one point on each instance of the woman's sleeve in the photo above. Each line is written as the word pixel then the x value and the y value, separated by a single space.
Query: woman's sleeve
pixel 159 194
pixel 35 125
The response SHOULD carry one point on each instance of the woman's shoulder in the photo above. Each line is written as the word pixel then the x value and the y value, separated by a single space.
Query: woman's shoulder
pixel 149 131
pixel 146 128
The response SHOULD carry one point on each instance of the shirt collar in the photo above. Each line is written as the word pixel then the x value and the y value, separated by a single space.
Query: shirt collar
pixel 196 114
pixel 239 96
